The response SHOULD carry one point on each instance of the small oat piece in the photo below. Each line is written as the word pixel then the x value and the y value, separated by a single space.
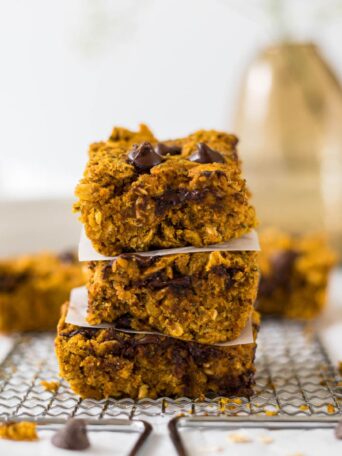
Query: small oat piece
pixel 73 436
pixel 338 430
pixel 23 430
pixel 51 386
pixel 238 437
pixel 271 412
pixel 266 439
pixel 304 407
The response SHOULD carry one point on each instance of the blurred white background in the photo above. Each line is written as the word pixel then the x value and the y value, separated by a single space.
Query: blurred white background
pixel 71 69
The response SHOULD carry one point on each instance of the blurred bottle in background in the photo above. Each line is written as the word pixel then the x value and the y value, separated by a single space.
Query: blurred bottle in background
pixel 289 117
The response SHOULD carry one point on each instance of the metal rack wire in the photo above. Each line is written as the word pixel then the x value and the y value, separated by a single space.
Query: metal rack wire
pixel 294 379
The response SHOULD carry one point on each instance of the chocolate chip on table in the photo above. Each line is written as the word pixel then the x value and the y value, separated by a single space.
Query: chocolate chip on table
pixel 144 157
pixel 73 436
pixel 163 149
pixel 206 155
pixel 338 430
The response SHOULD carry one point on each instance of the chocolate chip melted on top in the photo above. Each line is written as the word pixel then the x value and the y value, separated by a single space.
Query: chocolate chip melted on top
pixel 204 154
pixel 163 149
pixel 144 157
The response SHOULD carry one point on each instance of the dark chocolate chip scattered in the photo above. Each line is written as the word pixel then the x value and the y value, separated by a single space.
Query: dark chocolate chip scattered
pixel 206 155
pixel 73 436
pixel 338 430
pixel 163 149
pixel 68 256
pixel 144 157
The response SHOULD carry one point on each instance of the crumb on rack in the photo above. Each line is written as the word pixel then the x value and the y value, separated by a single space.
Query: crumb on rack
pixel 304 407
pixel 331 408
pixel 238 437
pixel 271 412
pixel 51 386
pixel 23 430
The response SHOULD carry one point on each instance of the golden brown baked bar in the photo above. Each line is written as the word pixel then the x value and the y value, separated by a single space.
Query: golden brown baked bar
pixel 33 288
pixel 138 194
pixel 205 297
pixel 100 363
pixel 294 274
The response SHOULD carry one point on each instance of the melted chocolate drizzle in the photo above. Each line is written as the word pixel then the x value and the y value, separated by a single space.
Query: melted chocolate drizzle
pixel 205 154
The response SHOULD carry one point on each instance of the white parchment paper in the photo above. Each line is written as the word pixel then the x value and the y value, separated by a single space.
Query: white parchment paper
pixel 247 242
pixel 77 314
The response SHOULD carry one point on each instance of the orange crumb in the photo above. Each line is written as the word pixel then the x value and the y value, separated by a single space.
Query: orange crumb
pixel 51 386
pixel 330 408
pixel 23 430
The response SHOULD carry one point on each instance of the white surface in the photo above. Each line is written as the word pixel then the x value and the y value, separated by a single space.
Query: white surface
pixel 102 444
pixel 284 443
pixel 247 242
pixel 77 313
pixel 31 226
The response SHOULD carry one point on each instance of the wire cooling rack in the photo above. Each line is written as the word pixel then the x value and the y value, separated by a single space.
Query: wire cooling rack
pixel 294 379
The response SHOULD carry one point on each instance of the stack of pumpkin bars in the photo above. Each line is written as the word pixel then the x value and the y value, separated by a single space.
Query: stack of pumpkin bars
pixel 172 320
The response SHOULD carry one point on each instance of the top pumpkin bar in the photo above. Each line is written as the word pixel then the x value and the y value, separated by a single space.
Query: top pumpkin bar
pixel 139 194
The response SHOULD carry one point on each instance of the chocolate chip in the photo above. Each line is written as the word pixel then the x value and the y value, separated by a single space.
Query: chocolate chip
pixel 174 197
pixel 87 333
pixel 68 257
pixel 73 436
pixel 107 269
pixel 124 321
pixel 282 264
pixel 179 282
pixel 226 273
pixel 206 155
pixel 143 261
pixel 144 157
pixel 338 430
pixel 10 282
pixel 163 149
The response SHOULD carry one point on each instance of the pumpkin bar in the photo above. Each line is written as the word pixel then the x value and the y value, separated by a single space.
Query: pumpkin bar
pixel 140 194
pixel 101 363
pixel 33 288
pixel 294 274
pixel 205 297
